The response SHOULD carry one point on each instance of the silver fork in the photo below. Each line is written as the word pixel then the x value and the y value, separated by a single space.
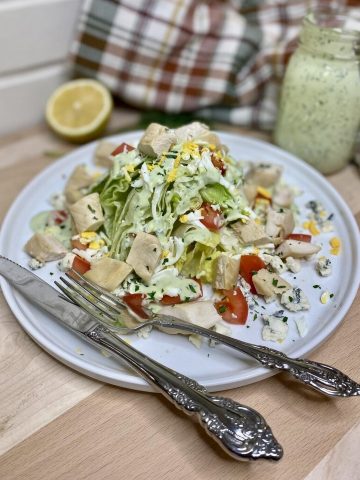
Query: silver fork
pixel 109 310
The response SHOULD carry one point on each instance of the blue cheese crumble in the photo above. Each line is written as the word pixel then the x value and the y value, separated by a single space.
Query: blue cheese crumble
pixel 295 300
pixel 324 267
pixel 275 328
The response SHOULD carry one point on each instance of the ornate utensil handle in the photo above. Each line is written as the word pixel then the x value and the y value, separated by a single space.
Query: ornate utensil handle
pixel 323 378
pixel 240 430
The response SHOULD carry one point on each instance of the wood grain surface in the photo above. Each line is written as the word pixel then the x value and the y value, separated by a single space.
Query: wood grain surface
pixel 58 424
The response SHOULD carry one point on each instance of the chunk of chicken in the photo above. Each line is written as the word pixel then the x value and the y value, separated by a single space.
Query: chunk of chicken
pixel 197 131
pixel 156 140
pixel 279 224
pixel 202 313
pixel 268 284
pixel 79 179
pixel 264 174
pixel 87 213
pixel 226 272
pixel 296 249
pixel 102 154
pixel 251 233
pixel 45 248
pixel 144 255
pixel 250 192
pixel 283 197
pixel 108 273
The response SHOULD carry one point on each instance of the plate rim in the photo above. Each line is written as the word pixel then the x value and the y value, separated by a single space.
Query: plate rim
pixel 133 381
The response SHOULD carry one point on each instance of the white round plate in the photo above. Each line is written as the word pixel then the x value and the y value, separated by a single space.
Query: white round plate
pixel 216 368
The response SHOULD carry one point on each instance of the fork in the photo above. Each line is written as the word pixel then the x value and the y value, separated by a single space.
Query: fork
pixel 110 311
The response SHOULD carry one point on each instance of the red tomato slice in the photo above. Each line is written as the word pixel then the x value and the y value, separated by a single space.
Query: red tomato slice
pixel 233 307
pixel 134 302
pixel 248 265
pixel 212 218
pixel 77 244
pixel 167 300
pixel 218 163
pixel 124 147
pixel 80 265
pixel 59 216
pixel 301 237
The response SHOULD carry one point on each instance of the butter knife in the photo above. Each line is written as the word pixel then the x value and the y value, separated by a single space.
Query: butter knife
pixel 241 431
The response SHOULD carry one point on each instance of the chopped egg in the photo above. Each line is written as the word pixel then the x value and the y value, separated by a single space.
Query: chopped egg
pixel 171 175
pixel 312 227
pixel 88 235
pixel 264 192
pixel 324 297
pixel 335 243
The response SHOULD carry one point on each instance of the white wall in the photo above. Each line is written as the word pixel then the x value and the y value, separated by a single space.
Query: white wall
pixel 35 36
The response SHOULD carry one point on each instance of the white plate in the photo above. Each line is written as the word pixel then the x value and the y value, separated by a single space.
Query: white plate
pixel 216 368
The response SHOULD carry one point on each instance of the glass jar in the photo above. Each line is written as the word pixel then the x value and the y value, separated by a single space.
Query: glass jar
pixel 319 111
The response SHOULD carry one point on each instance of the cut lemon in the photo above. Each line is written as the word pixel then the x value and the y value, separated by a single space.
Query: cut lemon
pixel 79 110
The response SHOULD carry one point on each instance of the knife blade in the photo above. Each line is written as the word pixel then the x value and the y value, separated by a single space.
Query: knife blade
pixel 45 296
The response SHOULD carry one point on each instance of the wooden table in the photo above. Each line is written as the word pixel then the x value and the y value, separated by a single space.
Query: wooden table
pixel 58 424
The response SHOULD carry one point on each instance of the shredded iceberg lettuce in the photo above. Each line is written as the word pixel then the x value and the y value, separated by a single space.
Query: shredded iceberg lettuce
pixel 164 196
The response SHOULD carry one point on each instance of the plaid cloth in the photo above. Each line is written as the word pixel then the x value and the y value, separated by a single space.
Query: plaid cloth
pixel 224 59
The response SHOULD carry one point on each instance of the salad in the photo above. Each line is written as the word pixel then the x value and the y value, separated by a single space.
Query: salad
pixel 176 226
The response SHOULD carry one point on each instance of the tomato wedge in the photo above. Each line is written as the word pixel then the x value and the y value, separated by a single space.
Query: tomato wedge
pixel 134 302
pixel 301 237
pixel 248 265
pixel 124 147
pixel 59 216
pixel 218 163
pixel 167 300
pixel 212 218
pixel 80 265
pixel 77 244
pixel 233 307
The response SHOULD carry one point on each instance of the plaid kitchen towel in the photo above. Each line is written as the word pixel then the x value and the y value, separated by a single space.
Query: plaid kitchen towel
pixel 223 59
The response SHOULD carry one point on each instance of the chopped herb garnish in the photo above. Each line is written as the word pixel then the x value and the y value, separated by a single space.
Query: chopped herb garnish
pixel 192 288
pixel 155 249
pixel 187 299
pixel 137 288
pixel 151 295
pixel 208 258
pixel 331 295
pixel 51 273
pixel 247 326
pixel 62 226
pixel 316 286
pixel 165 261
pixel 291 299
pixel 282 286
pixel 285 319
pixel 222 309
pixel 254 272
pixel 255 316
pixel 275 282
pixel 92 210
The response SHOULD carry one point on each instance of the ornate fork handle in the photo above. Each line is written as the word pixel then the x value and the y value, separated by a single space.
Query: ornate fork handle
pixel 240 430
pixel 323 378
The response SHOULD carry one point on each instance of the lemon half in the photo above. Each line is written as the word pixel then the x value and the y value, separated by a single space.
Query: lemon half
pixel 79 110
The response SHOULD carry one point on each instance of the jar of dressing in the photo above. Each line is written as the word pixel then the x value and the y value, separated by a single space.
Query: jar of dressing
pixel 319 112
